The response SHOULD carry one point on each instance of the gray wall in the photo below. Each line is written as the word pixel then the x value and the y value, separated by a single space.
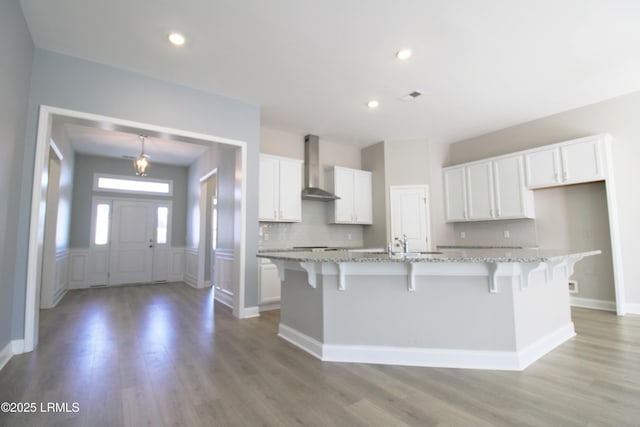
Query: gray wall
pixel 576 217
pixel 373 160
pixel 16 51
pixel 617 116
pixel 75 84
pixel 87 166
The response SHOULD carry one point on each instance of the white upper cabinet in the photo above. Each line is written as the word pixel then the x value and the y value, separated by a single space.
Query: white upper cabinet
pixel 487 190
pixel 500 187
pixel 280 186
pixel 572 162
pixel 455 194
pixel 354 188
pixel 512 199
pixel 480 192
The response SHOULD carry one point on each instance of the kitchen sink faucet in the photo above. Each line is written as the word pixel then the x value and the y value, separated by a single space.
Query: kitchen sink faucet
pixel 404 243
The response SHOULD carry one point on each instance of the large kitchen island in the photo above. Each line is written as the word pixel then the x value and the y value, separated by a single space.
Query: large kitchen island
pixel 483 309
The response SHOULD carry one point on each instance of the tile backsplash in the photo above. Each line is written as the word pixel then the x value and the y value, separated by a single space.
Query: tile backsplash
pixel 312 231
pixel 520 232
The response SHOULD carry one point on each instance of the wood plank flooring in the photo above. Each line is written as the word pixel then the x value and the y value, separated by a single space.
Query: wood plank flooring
pixel 166 355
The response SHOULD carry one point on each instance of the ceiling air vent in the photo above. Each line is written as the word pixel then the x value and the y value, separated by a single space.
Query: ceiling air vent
pixel 411 95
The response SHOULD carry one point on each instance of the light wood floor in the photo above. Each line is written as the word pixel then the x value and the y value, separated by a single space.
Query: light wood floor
pixel 167 355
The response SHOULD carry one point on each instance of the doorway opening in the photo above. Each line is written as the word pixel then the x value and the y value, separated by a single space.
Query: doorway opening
pixel 39 193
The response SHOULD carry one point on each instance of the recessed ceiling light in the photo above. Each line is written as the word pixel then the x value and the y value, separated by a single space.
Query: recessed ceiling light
pixel 373 104
pixel 404 54
pixel 176 39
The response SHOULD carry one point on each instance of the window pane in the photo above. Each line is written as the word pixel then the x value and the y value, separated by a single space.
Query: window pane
pixel 102 224
pixel 133 185
pixel 161 230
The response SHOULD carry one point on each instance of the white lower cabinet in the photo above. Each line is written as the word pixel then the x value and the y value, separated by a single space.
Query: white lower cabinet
pixel 269 283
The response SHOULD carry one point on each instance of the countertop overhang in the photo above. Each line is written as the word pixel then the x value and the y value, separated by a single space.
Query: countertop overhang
pixel 492 263
pixel 459 256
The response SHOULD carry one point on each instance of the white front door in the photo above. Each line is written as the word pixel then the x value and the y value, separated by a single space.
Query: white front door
pixel 132 242
pixel 410 216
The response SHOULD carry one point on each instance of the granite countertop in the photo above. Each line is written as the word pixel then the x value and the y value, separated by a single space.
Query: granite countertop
pixel 441 247
pixel 473 255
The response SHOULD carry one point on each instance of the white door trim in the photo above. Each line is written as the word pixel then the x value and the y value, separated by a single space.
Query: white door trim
pixel 203 256
pixel 38 205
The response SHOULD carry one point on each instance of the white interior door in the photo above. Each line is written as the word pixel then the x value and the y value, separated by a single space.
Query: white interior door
pixel 132 242
pixel 410 216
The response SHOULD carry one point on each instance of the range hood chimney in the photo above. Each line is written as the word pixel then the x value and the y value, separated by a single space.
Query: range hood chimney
pixel 312 190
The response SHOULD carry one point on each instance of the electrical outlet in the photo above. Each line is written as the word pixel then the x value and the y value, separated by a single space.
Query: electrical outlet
pixel 507 234
pixel 573 286
pixel 349 236
pixel 463 235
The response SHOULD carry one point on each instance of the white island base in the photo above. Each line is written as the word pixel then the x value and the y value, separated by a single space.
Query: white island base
pixel 478 315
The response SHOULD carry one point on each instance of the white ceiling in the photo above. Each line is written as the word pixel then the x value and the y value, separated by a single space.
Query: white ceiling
pixel 108 143
pixel 313 65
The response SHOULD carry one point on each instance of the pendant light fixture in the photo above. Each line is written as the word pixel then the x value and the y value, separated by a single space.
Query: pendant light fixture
pixel 141 164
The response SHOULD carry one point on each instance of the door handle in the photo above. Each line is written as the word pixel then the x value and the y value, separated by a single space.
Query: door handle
pixel 150 246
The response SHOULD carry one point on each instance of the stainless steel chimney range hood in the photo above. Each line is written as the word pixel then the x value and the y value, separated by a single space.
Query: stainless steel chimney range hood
pixel 312 190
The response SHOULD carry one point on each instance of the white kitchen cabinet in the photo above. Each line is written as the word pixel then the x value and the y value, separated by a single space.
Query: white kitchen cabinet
pixel 455 194
pixel 280 186
pixel 511 197
pixel 269 282
pixel 573 162
pixel 480 200
pixel 487 190
pixel 354 187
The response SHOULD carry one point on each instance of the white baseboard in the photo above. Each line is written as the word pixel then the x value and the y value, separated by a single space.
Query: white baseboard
pixel 300 340
pixel 269 307
pixel 544 345
pixel 60 294
pixel 11 349
pixel 191 281
pixel 224 298
pixel 426 357
pixel 249 312
pixel 17 346
pixel 632 308
pixel 594 304
pixel 6 354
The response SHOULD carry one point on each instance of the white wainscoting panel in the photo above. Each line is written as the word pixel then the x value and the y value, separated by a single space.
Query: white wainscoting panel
pixel 78 268
pixel 191 266
pixel 176 269
pixel 84 268
pixel 223 272
pixel 62 276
